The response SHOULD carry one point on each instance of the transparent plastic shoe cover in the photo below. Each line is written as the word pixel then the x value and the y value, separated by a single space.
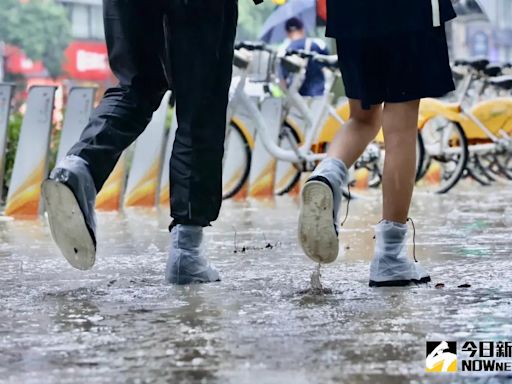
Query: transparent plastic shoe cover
pixel 73 171
pixel 391 261
pixel 187 262
pixel 335 171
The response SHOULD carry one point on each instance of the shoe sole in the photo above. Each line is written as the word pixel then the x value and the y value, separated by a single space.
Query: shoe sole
pixel 399 283
pixel 317 234
pixel 67 225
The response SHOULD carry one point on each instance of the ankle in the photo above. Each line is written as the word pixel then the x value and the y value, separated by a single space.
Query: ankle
pixel 394 223
pixel 334 171
pixel 390 238
pixel 187 236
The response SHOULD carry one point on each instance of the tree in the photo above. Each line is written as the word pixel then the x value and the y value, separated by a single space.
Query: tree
pixel 39 27
pixel 252 17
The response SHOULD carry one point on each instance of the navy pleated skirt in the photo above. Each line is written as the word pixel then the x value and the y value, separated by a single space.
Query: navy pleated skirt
pixel 397 67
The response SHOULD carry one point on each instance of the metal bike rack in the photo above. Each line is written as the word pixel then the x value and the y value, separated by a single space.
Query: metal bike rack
pixel 143 179
pixel 31 162
pixel 78 110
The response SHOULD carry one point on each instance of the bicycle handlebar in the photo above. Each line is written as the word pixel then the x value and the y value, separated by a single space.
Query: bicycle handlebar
pixel 327 61
pixel 254 46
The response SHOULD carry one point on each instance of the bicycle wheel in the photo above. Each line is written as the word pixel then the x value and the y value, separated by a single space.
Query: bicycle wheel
pixel 287 174
pixel 504 164
pixel 490 165
pixel 446 150
pixel 237 161
pixel 476 171
pixel 422 163
pixel 376 169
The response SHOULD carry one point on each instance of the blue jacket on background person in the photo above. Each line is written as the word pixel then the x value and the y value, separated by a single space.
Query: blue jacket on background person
pixel 314 82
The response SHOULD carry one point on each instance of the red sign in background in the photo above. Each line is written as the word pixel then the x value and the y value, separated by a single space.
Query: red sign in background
pixel 87 61
pixel 84 60
pixel 18 63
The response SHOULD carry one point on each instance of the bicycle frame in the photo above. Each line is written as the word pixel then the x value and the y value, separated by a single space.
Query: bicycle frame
pixel 462 115
pixel 293 99
pixel 466 112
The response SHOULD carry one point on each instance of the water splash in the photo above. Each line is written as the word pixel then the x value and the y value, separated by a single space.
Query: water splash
pixel 316 287
pixel 316 284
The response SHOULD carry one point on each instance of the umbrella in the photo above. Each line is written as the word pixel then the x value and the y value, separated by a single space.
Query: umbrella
pixel 273 30
pixel 478 8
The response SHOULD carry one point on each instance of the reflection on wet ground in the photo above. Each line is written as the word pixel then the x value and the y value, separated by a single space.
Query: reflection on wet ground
pixel 120 323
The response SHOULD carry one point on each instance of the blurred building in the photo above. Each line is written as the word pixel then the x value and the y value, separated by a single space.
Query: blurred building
pixel 483 28
pixel 86 18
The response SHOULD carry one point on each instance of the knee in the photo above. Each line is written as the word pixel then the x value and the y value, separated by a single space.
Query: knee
pixel 370 123
pixel 155 98
pixel 370 120
pixel 147 99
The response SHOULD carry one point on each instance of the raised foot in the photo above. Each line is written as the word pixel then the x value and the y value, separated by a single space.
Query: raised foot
pixel 316 230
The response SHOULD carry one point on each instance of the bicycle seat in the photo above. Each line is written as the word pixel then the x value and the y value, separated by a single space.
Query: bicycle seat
pixel 460 62
pixel 328 61
pixel 478 64
pixel 459 72
pixel 301 53
pixel 504 82
pixel 492 70
pixel 252 46
pixel 241 59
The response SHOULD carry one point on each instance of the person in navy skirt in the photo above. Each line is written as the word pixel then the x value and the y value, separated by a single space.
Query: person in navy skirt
pixel 391 54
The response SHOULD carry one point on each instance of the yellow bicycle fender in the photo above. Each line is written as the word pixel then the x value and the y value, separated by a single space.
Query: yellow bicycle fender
pixel 430 108
pixel 332 126
pixel 495 114
pixel 293 124
pixel 239 123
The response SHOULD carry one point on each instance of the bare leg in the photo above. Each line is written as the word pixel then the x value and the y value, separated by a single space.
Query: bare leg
pixel 321 195
pixel 400 121
pixel 357 133
pixel 391 264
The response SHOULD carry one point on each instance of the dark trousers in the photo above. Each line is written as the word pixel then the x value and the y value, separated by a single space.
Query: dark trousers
pixel 184 45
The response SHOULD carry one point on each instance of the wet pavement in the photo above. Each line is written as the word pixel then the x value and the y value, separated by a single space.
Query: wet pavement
pixel 119 322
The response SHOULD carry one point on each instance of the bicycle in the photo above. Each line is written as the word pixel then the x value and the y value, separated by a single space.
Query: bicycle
pixel 300 120
pixel 452 132
pixel 240 138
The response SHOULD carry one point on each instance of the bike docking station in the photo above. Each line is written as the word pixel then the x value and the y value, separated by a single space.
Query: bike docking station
pixel 141 176
pixel 31 161
pixel 273 139
pixel 142 187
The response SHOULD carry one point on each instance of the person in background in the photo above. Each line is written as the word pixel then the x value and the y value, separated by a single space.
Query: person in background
pixel 391 54
pixel 314 82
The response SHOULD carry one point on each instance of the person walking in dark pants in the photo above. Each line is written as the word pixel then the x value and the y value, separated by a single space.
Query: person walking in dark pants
pixel 391 53
pixel 185 45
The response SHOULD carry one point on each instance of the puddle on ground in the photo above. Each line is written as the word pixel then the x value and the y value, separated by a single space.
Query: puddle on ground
pixel 274 318
pixel 316 288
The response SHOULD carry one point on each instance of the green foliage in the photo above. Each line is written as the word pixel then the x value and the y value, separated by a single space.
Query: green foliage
pixel 251 18
pixel 54 147
pixel 39 27
pixel 13 135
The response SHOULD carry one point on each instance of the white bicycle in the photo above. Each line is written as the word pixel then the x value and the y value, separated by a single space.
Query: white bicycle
pixel 294 145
